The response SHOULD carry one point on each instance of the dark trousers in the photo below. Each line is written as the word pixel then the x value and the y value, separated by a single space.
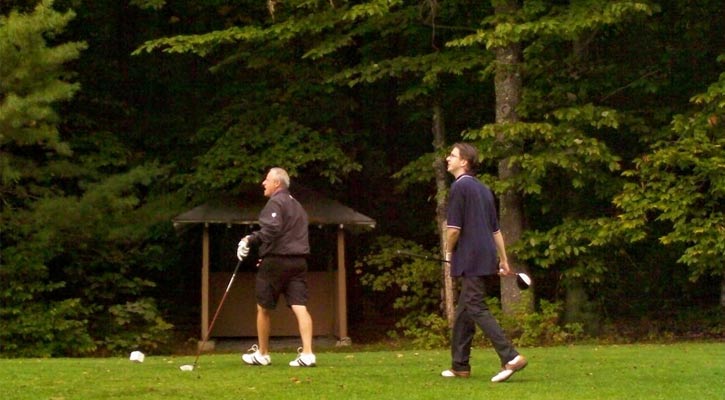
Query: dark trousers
pixel 471 311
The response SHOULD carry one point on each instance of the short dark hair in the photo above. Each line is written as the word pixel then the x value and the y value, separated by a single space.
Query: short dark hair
pixel 468 153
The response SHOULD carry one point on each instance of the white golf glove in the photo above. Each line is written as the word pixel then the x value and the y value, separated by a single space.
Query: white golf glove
pixel 243 248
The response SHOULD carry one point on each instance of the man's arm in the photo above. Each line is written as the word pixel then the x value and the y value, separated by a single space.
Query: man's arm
pixel 270 224
pixel 452 235
pixel 503 263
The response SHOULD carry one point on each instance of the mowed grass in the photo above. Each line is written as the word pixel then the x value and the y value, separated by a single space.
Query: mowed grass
pixel 672 371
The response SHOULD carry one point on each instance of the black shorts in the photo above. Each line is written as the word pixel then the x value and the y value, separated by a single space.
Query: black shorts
pixel 281 275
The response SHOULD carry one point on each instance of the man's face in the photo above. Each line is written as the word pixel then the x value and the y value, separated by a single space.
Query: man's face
pixel 270 183
pixel 456 165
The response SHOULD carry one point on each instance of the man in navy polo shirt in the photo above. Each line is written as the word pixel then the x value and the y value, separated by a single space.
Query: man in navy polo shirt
pixel 473 243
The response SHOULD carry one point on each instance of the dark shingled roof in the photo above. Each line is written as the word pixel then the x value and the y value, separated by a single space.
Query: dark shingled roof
pixel 244 210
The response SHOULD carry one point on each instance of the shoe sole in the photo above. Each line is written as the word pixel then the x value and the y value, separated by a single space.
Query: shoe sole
pixel 301 364
pixel 256 362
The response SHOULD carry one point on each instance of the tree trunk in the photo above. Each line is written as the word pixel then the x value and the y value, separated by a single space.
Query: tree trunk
pixel 508 86
pixel 439 167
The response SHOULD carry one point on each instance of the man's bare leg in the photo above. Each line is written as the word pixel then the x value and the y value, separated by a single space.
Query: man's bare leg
pixel 263 328
pixel 304 320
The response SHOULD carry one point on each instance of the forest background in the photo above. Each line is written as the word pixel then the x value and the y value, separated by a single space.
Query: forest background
pixel 600 124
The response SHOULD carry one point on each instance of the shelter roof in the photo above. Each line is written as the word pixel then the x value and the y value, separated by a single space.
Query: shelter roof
pixel 244 210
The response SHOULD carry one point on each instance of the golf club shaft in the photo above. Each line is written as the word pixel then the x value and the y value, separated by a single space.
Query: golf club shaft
pixel 424 257
pixel 216 314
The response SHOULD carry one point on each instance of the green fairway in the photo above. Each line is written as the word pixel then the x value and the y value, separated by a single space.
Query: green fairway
pixel 673 371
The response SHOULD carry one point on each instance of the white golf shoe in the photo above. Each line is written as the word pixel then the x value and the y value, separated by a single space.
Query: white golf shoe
pixel 511 367
pixel 303 360
pixel 452 373
pixel 254 357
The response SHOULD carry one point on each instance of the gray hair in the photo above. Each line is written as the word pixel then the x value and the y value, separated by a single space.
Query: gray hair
pixel 282 175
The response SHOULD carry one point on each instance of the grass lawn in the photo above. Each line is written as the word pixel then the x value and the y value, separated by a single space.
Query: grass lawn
pixel 672 371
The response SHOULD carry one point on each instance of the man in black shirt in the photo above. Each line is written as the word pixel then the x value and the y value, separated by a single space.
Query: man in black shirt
pixel 283 250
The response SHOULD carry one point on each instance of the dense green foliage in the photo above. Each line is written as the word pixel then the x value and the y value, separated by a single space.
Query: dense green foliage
pixel 32 156
pixel 75 270
pixel 681 181
pixel 117 115
pixel 417 286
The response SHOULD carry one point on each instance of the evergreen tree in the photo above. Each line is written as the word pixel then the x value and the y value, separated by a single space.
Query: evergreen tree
pixel 33 80
pixel 75 272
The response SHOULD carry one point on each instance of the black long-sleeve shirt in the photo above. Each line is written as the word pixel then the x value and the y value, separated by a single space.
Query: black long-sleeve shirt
pixel 283 227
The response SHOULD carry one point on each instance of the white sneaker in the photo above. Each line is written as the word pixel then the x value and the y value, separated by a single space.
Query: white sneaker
pixel 255 357
pixel 303 360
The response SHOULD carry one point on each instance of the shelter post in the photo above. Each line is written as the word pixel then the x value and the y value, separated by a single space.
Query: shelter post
pixel 342 288
pixel 205 286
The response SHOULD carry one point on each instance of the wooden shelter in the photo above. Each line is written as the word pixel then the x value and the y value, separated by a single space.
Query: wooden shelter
pixel 328 288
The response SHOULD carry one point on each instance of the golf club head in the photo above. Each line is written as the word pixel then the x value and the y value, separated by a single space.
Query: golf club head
pixel 523 281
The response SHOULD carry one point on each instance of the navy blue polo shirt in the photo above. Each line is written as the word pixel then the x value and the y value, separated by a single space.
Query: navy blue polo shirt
pixel 472 209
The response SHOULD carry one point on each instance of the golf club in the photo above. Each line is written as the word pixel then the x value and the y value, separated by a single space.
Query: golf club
pixel 191 367
pixel 421 256
pixel 523 281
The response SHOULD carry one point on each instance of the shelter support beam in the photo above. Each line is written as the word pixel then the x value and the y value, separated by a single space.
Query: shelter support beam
pixel 342 289
pixel 205 289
